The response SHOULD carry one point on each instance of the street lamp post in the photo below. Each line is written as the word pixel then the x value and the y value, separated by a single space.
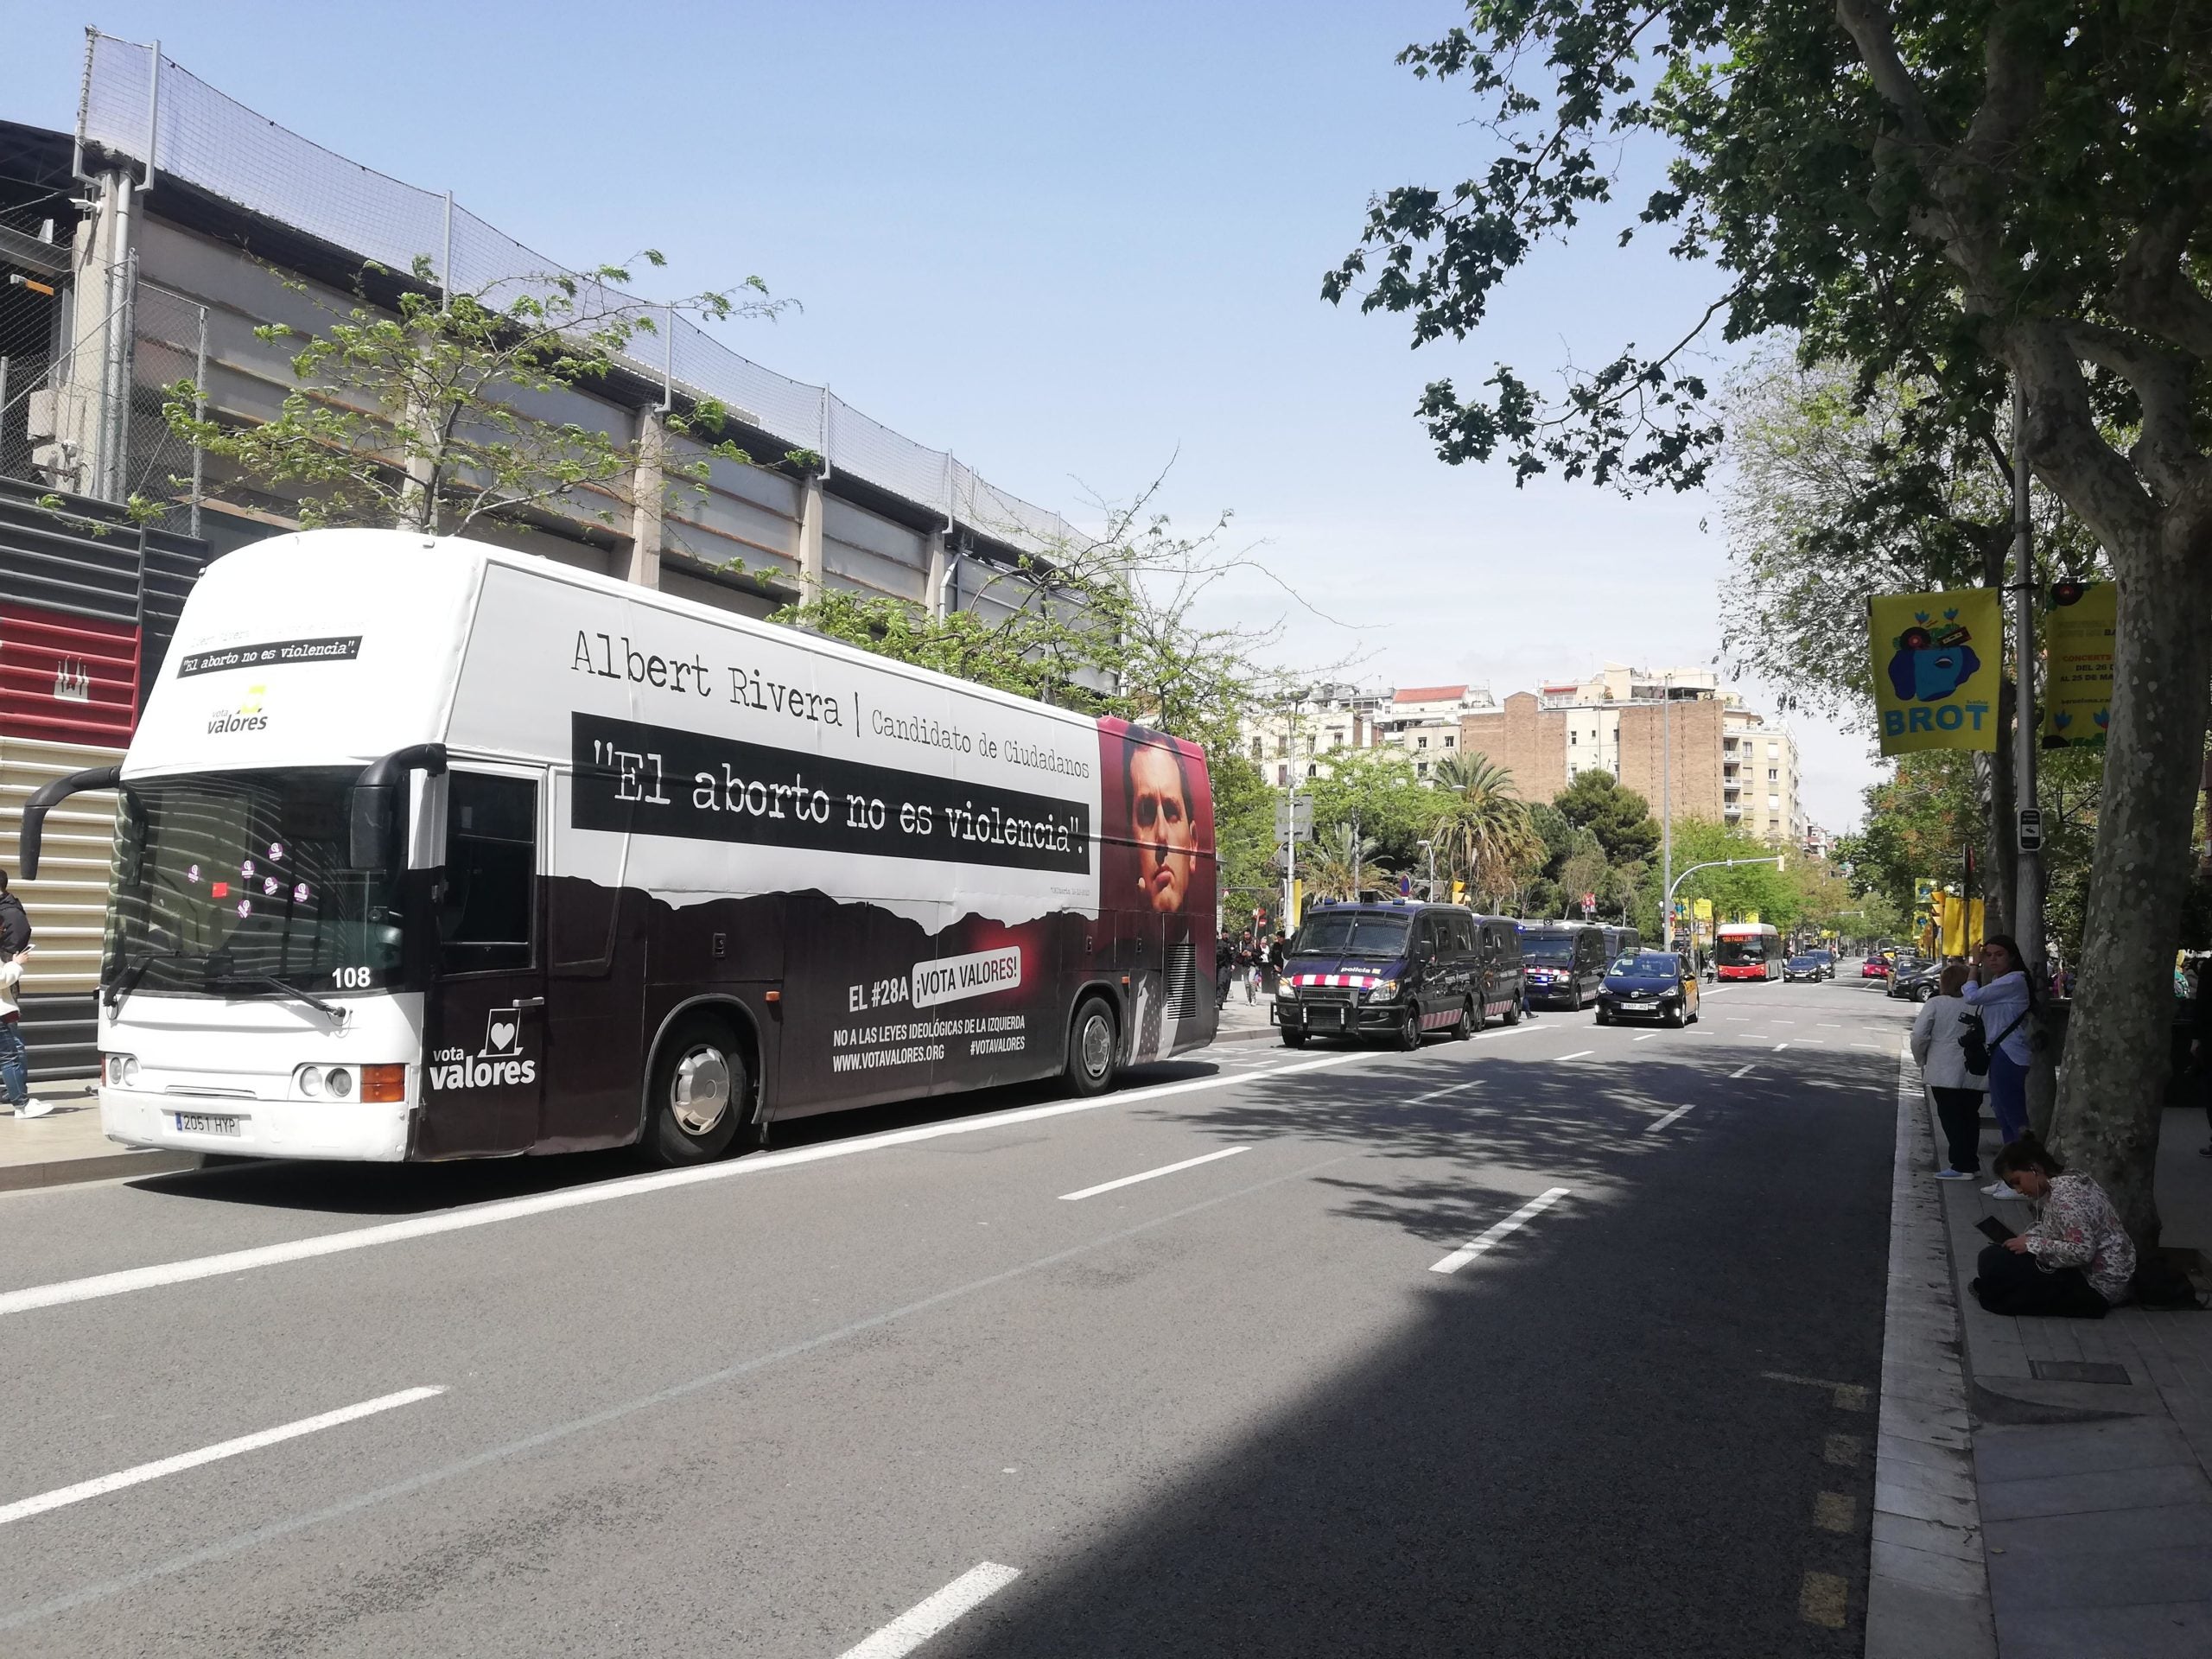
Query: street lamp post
pixel 1667 804
pixel 1429 846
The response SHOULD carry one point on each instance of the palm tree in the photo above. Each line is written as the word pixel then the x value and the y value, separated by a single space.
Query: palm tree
pixel 1482 826
pixel 1341 865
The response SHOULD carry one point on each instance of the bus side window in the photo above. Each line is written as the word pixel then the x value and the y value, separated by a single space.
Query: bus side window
pixel 487 899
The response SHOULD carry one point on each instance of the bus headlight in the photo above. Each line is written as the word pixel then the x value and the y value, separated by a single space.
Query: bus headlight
pixel 324 1082
pixel 121 1070
pixel 339 1082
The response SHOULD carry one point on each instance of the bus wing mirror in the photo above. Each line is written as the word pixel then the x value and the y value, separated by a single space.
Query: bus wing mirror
pixel 45 798
pixel 374 815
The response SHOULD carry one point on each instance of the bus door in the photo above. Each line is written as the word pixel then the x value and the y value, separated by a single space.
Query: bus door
pixel 591 1078
pixel 484 1041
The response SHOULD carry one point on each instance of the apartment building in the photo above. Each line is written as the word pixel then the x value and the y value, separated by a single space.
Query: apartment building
pixel 1675 731
pixel 1292 741
pixel 1425 720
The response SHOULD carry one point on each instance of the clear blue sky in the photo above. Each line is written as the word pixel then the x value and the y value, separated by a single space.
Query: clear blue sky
pixel 1069 242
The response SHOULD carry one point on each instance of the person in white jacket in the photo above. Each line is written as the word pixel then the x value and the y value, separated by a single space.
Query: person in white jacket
pixel 14 1082
pixel 1958 1092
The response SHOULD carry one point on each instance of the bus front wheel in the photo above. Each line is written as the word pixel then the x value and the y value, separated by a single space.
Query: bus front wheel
pixel 1092 1041
pixel 700 1095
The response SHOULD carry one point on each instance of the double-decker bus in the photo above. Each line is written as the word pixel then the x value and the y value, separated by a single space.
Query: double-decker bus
pixel 1747 950
pixel 430 850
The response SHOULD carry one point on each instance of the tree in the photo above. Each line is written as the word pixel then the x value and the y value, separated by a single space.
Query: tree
pixel 1620 818
pixel 1737 894
pixel 1342 866
pixel 1481 827
pixel 1378 789
pixel 1968 196
pixel 423 416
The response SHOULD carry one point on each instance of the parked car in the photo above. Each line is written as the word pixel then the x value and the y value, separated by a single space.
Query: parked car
pixel 1875 967
pixel 1915 980
pixel 1648 985
pixel 1564 963
pixel 1826 960
pixel 1398 972
pixel 1805 966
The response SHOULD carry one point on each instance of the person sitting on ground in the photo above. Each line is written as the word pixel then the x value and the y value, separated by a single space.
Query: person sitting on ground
pixel 1942 1061
pixel 2075 1262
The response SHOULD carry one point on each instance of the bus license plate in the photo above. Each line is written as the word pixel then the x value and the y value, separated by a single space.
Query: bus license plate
pixel 205 1123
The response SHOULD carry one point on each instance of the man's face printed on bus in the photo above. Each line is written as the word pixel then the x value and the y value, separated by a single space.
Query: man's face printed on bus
pixel 1160 816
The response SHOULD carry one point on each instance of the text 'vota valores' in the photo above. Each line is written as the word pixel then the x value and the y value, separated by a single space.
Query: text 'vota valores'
pixel 658 780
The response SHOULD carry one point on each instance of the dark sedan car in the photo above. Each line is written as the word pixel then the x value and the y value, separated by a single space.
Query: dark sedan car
pixel 1826 960
pixel 1805 966
pixel 1914 979
pixel 1648 985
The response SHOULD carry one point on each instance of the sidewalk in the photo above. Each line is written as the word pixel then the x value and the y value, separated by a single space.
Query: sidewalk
pixel 67 1146
pixel 2085 1483
pixel 1245 1022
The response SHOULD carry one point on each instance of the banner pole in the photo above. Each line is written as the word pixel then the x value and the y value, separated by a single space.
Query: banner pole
pixel 2027 900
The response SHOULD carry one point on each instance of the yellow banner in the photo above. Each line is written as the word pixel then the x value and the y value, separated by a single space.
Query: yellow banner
pixel 2077 643
pixel 1939 659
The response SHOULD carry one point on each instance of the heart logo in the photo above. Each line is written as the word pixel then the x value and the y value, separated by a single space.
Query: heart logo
pixel 503 1034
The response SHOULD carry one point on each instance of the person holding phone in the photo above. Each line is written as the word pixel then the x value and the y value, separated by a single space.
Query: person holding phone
pixel 2075 1262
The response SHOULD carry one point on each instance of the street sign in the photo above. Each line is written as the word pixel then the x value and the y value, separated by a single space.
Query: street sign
pixel 1295 815
pixel 2031 828
pixel 1589 903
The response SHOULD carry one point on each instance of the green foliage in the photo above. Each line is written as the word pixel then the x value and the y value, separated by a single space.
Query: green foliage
pixel 1735 892
pixel 1482 829
pixel 423 419
pixel 1107 627
pixel 1620 818
pixel 1379 791
pixel 1342 866
pixel 1244 835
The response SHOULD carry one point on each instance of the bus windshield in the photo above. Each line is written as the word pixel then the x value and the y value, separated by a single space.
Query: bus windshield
pixel 1547 947
pixel 224 881
pixel 1739 953
pixel 1351 934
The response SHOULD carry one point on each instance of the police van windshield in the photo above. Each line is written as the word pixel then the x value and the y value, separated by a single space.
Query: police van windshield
pixel 1353 933
pixel 1547 947
pixel 224 881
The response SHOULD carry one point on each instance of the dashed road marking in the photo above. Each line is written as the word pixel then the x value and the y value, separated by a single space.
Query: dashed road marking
pixel 1449 1089
pixel 1778 1047
pixel 1849 1396
pixel 1661 1123
pixel 1741 1072
pixel 1843 1450
pixel 143 1472
pixel 926 1617
pixel 1579 1054
pixel 1149 1174
pixel 1491 1234
pixel 1822 1600
pixel 1835 1511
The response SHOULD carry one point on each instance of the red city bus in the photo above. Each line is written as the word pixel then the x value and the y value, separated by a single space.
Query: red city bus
pixel 1747 950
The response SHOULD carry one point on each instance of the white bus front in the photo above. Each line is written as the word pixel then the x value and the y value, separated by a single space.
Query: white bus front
pixel 253 997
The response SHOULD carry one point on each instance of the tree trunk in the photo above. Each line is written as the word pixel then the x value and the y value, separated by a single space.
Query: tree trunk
pixel 2112 1091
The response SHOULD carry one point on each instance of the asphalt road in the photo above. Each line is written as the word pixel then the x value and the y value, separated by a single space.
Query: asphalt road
pixel 895 1367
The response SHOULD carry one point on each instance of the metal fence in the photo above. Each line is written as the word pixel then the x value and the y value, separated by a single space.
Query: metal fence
pixel 139 103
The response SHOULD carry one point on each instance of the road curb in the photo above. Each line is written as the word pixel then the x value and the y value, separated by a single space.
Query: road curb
pixel 101 1166
pixel 1261 1034
pixel 1928 1578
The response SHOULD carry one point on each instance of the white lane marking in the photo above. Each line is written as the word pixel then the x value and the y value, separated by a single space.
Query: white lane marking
pixel 1490 1236
pixel 1504 1030
pixel 1661 1123
pixel 1872 1045
pixel 1832 1024
pixel 1739 1071
pixel 1646 1037
pixel 1740 1018
pixel 925 1618
pixel 362 1238
pixel 145 1471
pixel 1165 1169
pixel 1778 1047
pixel 1578 1054
pixel 1450 1088
pixel 1785 1022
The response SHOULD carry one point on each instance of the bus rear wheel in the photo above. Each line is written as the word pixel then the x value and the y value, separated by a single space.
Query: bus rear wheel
pixel 1092 1042
pixel 700 1095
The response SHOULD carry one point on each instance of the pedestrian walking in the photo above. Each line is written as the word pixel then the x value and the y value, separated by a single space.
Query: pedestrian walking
pixel 15 1076
pixel 14 923
pixel 1958 1092
pixel 2075 1262
pixel 1998 990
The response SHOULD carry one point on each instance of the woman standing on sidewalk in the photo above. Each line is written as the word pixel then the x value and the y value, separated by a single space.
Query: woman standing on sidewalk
pixel 1935 1032
pixel 1998 990
pixel 2075 1262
